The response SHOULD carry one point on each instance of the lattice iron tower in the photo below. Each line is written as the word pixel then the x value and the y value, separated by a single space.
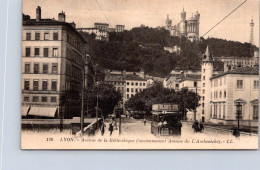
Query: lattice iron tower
pixel 251 41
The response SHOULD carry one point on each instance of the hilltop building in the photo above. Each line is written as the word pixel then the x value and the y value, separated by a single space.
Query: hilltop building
pixel 53 62
pixel 186 27
pixel 231 63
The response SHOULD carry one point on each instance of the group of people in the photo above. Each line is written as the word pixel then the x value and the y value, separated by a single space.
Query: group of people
pixel 198 127
pixel 110 127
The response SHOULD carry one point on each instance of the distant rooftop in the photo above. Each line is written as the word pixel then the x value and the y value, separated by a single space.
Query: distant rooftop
pixel 240 70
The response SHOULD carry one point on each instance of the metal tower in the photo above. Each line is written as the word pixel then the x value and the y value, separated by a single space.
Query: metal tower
pixel 251 41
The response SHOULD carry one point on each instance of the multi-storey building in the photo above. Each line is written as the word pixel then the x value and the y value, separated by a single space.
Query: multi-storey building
pixel 117 79
pixel 231 63
pixel 134 85
pixel 120 28
pixel 101 26
pixel 238 85
pixel 89 72
pixel 128 83
pixel 221 92
pixel 100 34
pixel 53 61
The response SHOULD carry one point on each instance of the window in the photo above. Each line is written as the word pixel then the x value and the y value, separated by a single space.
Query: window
pixel 132 90
pixel 53 99
pixel 203 91
pixel 54 85
pixel 203 84
pixel 225 94
pixel 26 85
pixel 203 104
pixel 46 52
pixel 143 84
pixel 27 52
pixel 224 111
pixel 127 96
pixel 44 85
pixel 35 99
pixel 215 111
pixel 44 99
pixel 45 68
pixel 239 84
pixel 46 36
pixel 55 52
pixel 203 77
pixel 28 36
pixel 204 70
pixel 26 99
pixel 36 68
pixel 54 68
pixel 219 112
pixel 36 51
pixel 35 85
pixel 203 98
pixel 202 111
pixel 27 68
pixel 127 89
pixel 123 89
pixel 140 84
pixel 256 84
pixel 220 94
pixel 255 112
pixel 136 90
pixel 132 95
pixel 136 84
pixel 55 36
pixel 37 36
pixel 132 83
pixel 177 85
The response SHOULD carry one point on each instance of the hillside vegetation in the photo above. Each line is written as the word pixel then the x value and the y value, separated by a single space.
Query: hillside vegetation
pixel 143 48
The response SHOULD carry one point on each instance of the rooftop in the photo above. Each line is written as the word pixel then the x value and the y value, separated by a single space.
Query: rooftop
pixel 47 21
pixel 132 77
pixel 240 70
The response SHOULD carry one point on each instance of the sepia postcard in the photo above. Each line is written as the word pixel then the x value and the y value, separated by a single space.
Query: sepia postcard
pixel 131 74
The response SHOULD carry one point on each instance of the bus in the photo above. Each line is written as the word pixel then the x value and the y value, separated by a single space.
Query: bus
pixel 166 120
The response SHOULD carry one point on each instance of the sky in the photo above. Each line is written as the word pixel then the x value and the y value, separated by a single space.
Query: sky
pixel 152 13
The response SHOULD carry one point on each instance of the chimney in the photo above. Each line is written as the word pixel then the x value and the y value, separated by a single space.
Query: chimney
pixel 38 13
pixel 62 16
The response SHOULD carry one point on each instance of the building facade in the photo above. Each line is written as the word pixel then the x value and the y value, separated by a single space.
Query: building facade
pixel 120 28
pixel 134 85
pixel 53 61
pixel 231 63
pixel 186 27
pixel 100 34
pixel 238 85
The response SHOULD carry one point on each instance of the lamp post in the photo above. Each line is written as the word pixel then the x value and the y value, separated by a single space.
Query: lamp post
pixel 239 109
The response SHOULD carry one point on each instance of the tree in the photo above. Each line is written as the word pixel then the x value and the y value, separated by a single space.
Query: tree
pixel 187 100
pixel 107 97
pixel 156 94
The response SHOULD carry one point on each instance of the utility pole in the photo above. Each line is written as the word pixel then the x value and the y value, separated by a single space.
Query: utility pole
pixel 82 100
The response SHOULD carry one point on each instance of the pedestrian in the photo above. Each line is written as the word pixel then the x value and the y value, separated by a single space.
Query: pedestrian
pixel 103 128
pixel 110 128
pixel 236 132
pixel 144 122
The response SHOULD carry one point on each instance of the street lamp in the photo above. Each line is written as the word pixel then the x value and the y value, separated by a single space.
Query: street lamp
pixel 239 110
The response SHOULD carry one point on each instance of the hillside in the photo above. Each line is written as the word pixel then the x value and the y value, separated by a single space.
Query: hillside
pixel 142 48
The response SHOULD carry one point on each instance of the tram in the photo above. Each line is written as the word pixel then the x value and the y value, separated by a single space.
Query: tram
pixel 166 120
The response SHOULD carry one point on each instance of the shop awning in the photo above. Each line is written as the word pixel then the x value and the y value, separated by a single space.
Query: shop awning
pixel 25 110
pixel 43 111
